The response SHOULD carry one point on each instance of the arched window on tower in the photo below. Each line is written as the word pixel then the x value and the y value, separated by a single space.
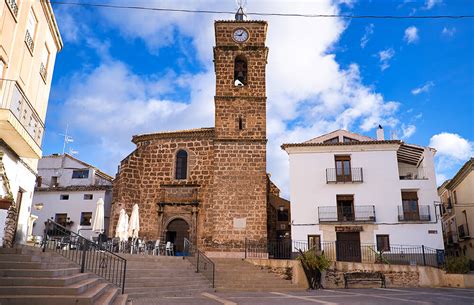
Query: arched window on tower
pixel 240 71
pixel 181 164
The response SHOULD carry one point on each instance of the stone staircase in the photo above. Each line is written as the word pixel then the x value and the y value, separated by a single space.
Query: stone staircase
pixel 158 276
pixel 29 276
pixel 235 274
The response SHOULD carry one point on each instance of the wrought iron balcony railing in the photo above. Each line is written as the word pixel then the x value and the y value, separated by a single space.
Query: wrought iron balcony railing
pixel 337 175
pixel 422 214
pixel 13 7
pixel 29 41
pixel 358 213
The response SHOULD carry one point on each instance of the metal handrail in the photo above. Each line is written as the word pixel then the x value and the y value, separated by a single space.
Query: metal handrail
pixel 202 263
pixel 91 256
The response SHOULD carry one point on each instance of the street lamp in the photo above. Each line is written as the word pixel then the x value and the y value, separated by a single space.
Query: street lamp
pixel 449 208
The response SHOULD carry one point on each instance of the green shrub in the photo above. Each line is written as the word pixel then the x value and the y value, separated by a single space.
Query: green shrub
pixel 314 261
pixel 458 265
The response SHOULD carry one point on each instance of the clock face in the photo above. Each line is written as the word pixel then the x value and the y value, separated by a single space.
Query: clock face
pixel 240 35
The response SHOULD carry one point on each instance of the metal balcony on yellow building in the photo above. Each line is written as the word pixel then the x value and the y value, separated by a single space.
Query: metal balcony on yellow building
pixel 20 125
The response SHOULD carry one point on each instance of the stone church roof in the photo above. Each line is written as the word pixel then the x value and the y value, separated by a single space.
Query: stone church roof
pixel 204 131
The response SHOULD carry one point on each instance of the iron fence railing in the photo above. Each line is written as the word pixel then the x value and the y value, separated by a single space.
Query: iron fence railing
pixel 422 214
pixel 89 255
pixel 346 213
pixel 201 262
pixel 334 175
pixel 347 251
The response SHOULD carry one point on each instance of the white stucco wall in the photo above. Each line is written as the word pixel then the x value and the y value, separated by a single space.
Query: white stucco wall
pixel 20 177
pixel 381 187
pixel 72 207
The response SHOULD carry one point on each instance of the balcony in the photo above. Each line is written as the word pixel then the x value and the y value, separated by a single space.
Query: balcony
pixel 451 238
pixel 412 173
pixel 358 213
pixel 29 41
pixel 13 7
pixel 20 126
pixel 43 72
pixel 336 176
pixel 422 214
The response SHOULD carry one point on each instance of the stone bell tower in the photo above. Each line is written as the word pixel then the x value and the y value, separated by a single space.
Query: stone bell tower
pixel 239 180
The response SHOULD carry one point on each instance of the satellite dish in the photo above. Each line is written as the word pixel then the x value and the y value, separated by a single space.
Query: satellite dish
pixel 238 83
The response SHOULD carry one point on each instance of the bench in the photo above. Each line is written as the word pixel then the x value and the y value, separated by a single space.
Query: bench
pixel 351 277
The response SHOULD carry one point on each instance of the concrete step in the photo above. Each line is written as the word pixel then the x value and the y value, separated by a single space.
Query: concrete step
pixel 120 299
pixel 35 265
pixel 172 283
pixel 153 282
pixel 54 281
pixel 89 297
pixel 108 297
pixel 239 275
pixel 177 287
pixel 73 289
pixel 39 272
pixel 169 293
pixel 258 289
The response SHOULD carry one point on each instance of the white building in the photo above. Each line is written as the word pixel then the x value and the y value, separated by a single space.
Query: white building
pixel 357 190
pixel 67 192
pixel 29 42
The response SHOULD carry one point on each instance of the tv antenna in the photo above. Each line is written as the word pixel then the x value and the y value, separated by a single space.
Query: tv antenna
pixel 67 139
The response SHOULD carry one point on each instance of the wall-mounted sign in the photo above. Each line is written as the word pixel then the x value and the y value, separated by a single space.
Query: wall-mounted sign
pixel 240 223
pixel 349 229
pixel 432 231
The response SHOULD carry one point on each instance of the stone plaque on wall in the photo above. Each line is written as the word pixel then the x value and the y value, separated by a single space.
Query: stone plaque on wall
pixel 240 223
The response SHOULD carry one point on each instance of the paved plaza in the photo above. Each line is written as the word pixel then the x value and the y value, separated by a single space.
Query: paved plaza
pixel 398 296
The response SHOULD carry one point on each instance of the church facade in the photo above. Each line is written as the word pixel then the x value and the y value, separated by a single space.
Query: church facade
pixel 208 185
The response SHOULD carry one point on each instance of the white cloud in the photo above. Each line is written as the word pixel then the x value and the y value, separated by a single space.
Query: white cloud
pixel 408 131
pixel 452 145
pixel 429 4
pixel 448 32
pixel 411 35
pixel 452 151
pixel 309 87
pixel 369 30
pixel 384 58
pixel 423 89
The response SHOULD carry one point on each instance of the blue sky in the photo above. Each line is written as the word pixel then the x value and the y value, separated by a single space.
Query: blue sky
pixel 125 72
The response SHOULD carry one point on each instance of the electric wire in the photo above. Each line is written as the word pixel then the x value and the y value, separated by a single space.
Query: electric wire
pixel 176 10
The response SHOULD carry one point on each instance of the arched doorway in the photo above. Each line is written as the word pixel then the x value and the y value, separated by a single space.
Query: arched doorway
pixel 176 232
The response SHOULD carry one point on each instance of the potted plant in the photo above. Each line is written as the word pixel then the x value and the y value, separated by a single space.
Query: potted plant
pixel 314 264
pixel 6 201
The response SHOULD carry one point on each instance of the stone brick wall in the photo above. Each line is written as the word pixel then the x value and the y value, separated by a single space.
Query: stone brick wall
pixel 239 194
pixel 395 275
pixel 147 177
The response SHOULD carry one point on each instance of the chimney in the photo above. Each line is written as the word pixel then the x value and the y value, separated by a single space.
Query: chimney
pixel 380 134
